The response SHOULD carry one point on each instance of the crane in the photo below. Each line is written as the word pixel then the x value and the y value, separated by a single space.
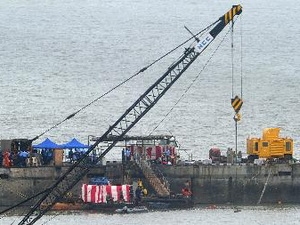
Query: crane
pixel 131 116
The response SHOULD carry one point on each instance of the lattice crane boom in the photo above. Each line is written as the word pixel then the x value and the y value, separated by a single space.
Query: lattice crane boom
pixel 132 115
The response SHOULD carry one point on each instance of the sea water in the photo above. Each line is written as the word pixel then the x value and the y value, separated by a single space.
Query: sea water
pixel 58 56
pixel 243 215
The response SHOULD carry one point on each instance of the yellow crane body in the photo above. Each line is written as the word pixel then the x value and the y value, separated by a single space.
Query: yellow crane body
pixel 271 145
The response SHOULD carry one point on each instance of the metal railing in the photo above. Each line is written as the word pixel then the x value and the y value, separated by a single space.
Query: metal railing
pixel 153 174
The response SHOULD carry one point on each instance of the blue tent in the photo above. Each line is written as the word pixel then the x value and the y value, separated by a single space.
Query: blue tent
pixel 74 143
pixel 47 144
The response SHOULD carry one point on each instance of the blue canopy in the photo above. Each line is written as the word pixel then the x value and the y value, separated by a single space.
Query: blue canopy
pixel 48 144
pixel 74 143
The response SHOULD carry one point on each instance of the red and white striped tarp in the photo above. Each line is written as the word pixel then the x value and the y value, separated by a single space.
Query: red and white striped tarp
pixel 98 193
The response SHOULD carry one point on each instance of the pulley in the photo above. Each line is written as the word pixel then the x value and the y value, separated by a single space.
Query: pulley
pixel 237 117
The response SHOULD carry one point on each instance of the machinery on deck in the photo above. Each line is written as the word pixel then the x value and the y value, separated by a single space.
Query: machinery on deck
pixel 9 150
pixel 270 146
pixel 132 115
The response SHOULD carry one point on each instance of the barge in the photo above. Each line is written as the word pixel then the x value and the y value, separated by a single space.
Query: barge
pixel 210 183
pixel 235 181
pixel 253 181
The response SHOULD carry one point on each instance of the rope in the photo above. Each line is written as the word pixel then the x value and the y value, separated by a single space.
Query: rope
pixel 241 27
pixel 3 184
pixel 120 84
pixel 3 213
pixel 191 84
pixel 92 102
pixel 24 201
pixel 265 186
pixel 232 59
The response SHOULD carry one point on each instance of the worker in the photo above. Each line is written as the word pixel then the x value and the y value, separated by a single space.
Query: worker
pixel 187 184
pixel 70 155
pixel 138 197
pixel 109 199
pixel 140 183
pixel 145 192
pixel 167 154
pixel 121 199
pixel 128 154
pixel 6 160
pixel 131 194
pixel 186 192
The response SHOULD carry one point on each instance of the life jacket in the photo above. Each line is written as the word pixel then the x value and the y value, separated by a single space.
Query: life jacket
pixel 6 160
pixel 186 192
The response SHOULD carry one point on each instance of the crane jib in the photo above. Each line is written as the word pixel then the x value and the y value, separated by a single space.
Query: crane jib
pixel 223 21
pixel 132 115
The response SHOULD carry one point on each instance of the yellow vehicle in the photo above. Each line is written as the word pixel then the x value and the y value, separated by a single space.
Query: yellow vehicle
pixel 270 146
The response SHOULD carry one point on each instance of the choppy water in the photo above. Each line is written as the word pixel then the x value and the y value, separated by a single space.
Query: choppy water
pixel 255 215
pixel 57 56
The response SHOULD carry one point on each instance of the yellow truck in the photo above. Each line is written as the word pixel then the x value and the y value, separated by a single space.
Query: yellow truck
pixel 270 146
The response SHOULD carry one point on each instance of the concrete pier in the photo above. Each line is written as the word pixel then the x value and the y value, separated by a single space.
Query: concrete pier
pixel 210 184
pixel 242 184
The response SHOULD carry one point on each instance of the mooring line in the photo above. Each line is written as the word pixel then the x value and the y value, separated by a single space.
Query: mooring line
pixel 3 184
pixel 265 186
